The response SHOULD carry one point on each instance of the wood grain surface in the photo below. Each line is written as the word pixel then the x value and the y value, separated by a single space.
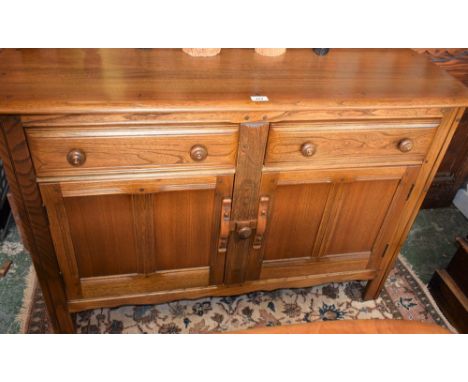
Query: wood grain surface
pixel 130 148
pixel 43 81
pixel 22 182
pixel 252 145
pixel 136 219
pixel 349 143
pixel 351 327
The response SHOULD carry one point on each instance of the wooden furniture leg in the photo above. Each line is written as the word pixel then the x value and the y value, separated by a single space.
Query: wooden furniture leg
pixel 22 182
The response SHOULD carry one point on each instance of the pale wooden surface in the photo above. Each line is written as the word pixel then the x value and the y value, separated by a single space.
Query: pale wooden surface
pixel 63 92
pixel 167 80
pixel 130 149
pixel 356 143
pixel 351 327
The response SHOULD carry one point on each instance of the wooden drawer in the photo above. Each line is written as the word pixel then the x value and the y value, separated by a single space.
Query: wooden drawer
pixel 353 143
pixel 94 150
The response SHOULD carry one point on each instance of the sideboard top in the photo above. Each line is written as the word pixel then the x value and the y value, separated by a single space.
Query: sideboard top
pixel 38 81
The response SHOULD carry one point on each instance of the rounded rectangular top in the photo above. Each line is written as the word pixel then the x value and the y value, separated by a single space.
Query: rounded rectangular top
pixel 44 81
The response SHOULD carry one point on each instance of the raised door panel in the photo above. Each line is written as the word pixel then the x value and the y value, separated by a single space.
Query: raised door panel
pixel 183 229
pixel 294 221
pixel 116 238
pixel 362 209
pixel 101 229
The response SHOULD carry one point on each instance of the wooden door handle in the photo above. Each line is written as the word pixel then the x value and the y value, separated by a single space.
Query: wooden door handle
pixel 225 226
pixel 261 221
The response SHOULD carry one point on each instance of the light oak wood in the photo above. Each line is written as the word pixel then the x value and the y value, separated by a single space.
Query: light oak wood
pixel 228 116
pixel 111 286
pixel 168 80
pixel 136 228
pixel 314 265
pixel 252 144
pixel 21 181
pixel 415 199
pixel 161 183
pixel 158 178
pixel 189 214
pixel 130 149
pixel 362 210
pixel 351 327
pixel 330 214
pixel 150 296
pixel 295 218
pixel 354 143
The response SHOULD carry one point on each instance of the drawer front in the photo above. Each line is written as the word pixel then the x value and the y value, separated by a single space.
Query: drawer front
pixel 327 144
pixel 87 150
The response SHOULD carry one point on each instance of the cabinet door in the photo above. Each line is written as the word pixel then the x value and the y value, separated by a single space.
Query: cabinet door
pixel 329 221
pixel 121 237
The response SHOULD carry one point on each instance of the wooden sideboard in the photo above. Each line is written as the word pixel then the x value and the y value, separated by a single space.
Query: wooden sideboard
pixel 144 176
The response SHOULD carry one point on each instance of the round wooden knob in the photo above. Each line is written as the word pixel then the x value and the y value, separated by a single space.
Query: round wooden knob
pixel 244 232
pixel 198 153
pixel 308 149
pixel 405 145
pixel 76 157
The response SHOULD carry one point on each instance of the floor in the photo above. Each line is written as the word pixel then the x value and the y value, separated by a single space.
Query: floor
pixel 430 245
pixel 431 241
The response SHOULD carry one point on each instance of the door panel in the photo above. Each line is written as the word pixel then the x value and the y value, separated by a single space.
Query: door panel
pixel 360 216
pixel 329 220
pixel 101 229
pixel 294 220
pixel 130 236
pixel 182 228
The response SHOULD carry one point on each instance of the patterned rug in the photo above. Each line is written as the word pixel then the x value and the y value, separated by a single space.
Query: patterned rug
pixel 403 297
pixel 12 285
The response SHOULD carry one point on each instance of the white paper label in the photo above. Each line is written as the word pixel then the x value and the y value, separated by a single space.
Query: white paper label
pixel 259 98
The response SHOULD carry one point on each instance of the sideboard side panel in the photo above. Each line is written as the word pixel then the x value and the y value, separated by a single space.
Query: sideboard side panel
pixel 422 184
pixel 22 182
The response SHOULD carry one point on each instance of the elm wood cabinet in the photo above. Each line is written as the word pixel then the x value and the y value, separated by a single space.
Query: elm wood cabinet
pixel 143 176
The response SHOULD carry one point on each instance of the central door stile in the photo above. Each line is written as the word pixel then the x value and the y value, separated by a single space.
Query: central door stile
pixel 246 195
pixel 143 227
